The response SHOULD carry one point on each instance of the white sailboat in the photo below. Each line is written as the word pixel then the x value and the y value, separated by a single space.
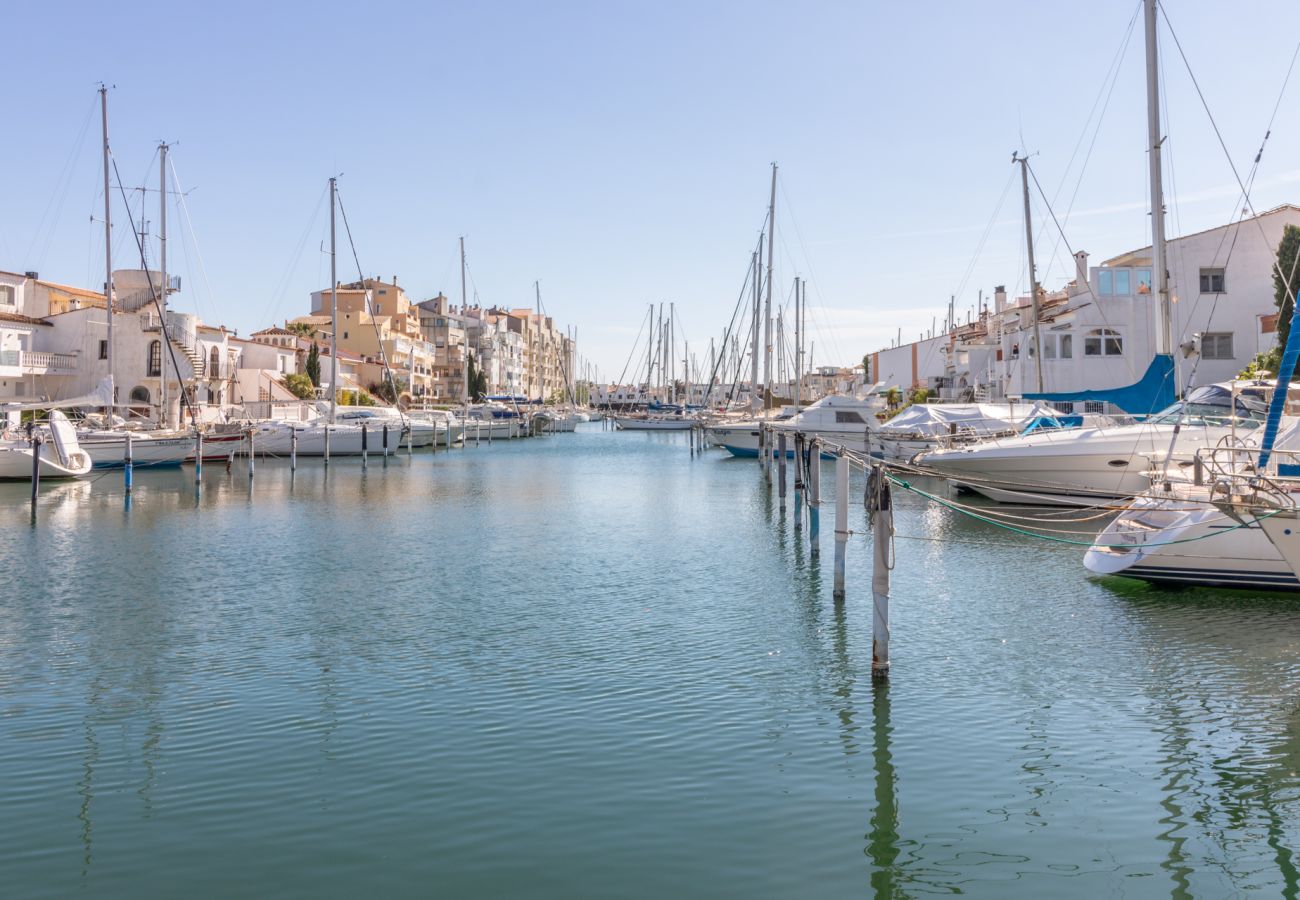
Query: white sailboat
pixel 53 449
pixel 1081 466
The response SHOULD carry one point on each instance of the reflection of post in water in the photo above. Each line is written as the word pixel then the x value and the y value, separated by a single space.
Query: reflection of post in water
pixel 882 840
pixel 86 787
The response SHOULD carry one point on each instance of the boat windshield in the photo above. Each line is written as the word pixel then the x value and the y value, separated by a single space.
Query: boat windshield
pixel 1215 405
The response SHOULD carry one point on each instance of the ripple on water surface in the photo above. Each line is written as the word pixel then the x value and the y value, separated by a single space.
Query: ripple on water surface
pixel 592 665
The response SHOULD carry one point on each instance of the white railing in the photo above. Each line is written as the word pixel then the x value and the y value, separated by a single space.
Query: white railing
pixel 46 362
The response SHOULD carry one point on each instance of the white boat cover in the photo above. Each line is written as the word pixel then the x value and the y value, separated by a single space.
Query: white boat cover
pixel 65 436
pixel 935 419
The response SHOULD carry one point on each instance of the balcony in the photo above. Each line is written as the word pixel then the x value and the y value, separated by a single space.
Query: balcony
pixel 31 363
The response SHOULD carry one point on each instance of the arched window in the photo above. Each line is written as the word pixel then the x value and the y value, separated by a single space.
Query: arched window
pixel 214 363
pixel 140 394
pixel 155 359
pixel 1103 342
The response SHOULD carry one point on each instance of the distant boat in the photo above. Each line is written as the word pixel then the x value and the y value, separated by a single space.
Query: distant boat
pixel 655 423
pixel 60 454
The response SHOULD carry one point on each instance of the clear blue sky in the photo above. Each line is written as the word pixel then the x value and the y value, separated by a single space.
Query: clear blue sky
pixel 619 151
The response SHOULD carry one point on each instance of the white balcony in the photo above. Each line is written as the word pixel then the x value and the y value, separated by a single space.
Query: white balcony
pixel 27 362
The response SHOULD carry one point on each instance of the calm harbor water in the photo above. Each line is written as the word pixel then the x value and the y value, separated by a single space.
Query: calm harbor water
pixel 590 665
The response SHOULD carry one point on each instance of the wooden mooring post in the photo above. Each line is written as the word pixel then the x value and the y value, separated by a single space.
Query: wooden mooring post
pixel 385 441
pixel 781 467
pixel 293 448
pixel 841 521
pixel 327 446
pixel 252 453
pixel 814 497
pixel 36 470
pixel 128 466
pixel 798 481
pixel 881 513
pixel 365 447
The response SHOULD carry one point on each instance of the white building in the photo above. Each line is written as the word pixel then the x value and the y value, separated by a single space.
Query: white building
pixel 1099 331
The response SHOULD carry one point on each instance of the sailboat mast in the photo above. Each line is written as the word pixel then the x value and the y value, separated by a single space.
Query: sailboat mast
pixel 1164 308
pixel 1033 274
pixel 672 346
pixel 753 366
pixel 767 306
pixel 798 347
pixel 537 335
pixel 110 356
pixel 162 265
pixel 464 319
pixel 334 307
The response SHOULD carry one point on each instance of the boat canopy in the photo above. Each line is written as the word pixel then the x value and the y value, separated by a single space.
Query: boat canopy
pixel 1152 393
pixel 934 419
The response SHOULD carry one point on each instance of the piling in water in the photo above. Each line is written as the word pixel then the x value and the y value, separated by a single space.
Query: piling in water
pixel 128 465
pixel 36 470
pixel 798 480
pixel 198 456
pixel 841 521
pixel 293 448
pixel 881 512
pixel 814 497
pixel 365 448
pixel 385 440
pixel 327 445
pixel 252 454
pixel 780 467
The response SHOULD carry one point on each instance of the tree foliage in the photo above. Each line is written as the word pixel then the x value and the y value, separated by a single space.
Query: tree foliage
pixel 300 386
pixel 478 383
pixel 866 368
pixel 1288 249
pixel 313 365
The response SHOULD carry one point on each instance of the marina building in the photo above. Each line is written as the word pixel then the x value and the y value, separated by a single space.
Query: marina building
pixel 1098 331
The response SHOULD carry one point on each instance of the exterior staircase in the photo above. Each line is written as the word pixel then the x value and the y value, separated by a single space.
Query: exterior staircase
pixel 197 362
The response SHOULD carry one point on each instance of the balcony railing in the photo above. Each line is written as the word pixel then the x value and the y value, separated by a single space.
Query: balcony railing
pixel 39 362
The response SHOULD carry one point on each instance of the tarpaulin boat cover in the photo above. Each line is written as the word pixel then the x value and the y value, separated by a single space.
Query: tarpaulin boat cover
pixel 1151 394
pixel 934 419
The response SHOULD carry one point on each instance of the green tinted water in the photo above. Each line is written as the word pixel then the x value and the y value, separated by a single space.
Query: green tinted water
pixel 590 665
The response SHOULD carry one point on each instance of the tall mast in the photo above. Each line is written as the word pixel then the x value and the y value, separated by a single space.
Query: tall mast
pixel 334 308
pixel 798 347
pixel 464 321
pixel 162 265
pixel 537 332
pixel 1033 274
pixel 1164 309
pixel 753 367
pixel 672 345
pixel 767 306
pixel 649 352
pixel 108 259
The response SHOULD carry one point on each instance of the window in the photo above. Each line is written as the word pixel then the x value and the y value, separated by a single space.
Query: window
pixel 1122 283
pixel 1212 281
pixel 140 394
pixel 1103 342
pixel 1216 345
pixel 214 363
pixel 103 349
pixel 1143 279
pixel 1105 282
pixel 1058 346
pixel 848 416
pixel 7 295
pixel 1065 408
pixel 155 359
pixel 345 335
pixel 1094 407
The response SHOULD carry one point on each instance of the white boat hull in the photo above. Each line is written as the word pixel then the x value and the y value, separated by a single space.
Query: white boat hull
pixel 1175 541
pixel 629 423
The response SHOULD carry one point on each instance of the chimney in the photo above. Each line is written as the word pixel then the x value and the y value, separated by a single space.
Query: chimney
pixel 999 298
pixel 32 275
pixel 1081 268
pixel 394 281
